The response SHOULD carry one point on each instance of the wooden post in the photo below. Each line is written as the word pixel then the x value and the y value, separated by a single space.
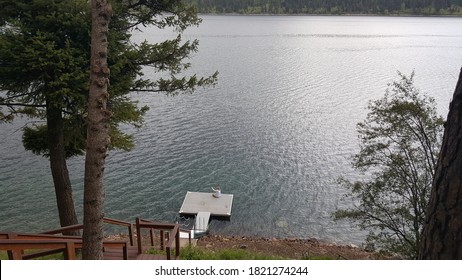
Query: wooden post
pixel 125 251
pixel 130 233
pixel 14 254
pixel 169 255
pixel 177 240
pixel 138 234
pixel 69 254
pixel 151 233
pixel 162 239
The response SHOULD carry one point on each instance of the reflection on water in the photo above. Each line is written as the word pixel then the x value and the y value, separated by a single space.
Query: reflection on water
pixel 277 131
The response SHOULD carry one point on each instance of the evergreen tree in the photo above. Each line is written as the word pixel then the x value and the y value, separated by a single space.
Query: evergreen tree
pixel 44 75
pixel 45 65
pixel 97 133
pixel 330 6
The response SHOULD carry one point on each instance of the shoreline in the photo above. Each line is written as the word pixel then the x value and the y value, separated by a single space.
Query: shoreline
pixel 290 248
pixel 332 15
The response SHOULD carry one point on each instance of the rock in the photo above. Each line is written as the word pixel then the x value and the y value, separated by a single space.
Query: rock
pixel 313 240
pixel 288 247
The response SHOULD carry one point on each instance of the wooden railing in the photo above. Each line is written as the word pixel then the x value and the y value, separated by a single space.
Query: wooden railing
pixel 16 243
pixel 55 241
pixel 169 234
pixel 73 228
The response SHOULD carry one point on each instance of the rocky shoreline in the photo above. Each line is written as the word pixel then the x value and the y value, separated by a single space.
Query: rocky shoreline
pixel 291 248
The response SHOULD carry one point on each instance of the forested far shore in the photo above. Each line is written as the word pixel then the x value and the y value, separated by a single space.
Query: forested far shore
pixel 335 7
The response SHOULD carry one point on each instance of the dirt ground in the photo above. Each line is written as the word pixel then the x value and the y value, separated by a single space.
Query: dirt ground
pixel 287 247
pixel 290 248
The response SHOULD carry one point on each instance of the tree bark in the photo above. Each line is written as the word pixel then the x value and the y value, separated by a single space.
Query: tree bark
pixel 442 233
pixel 97 133
pixel 58 165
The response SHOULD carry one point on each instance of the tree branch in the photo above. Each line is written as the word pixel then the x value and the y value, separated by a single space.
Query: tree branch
pixel 23 105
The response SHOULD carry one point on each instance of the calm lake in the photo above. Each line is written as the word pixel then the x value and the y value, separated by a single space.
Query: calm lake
pixel 277 131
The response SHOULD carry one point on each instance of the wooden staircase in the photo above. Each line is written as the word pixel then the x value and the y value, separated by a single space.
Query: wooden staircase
pixel 23 246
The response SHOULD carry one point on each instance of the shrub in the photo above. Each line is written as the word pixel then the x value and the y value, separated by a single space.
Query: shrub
pixel 399 145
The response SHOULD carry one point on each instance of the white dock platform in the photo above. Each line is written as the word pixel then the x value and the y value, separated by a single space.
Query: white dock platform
pixel 196 202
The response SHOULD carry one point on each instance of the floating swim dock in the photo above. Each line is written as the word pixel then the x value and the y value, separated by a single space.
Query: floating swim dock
pixel 196 202
pixel 204 206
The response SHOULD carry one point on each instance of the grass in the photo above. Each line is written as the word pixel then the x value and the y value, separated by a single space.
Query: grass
pixel 322 258
pixel 188 253
pixel 57 256
pixel 196 253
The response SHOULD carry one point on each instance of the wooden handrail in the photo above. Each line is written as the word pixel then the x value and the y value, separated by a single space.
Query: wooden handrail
pixel 16 246
pixel 15 243
pixel 76 227
pixel 168 233
pixel 173 231
pixel 156 225
pixel 122 223
pixel 32 236
pixel 163 224
pixel 117 244
pixel 116 222
pixel 64 229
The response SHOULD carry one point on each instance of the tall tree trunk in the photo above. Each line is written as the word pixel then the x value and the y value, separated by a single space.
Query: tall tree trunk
pixel 97 133
pixel 58 165
pixel 442 234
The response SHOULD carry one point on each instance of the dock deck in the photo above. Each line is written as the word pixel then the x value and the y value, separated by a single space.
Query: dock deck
pixel 196 202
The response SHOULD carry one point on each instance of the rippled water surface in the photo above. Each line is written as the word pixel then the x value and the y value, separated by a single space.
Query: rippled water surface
pixel 277 130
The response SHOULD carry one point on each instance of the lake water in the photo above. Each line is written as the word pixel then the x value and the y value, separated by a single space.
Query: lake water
pixel 277 130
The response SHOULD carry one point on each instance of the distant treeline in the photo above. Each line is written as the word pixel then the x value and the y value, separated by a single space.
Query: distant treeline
pixel 384 7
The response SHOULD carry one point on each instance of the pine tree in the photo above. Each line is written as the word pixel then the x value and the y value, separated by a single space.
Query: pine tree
pixel 45 65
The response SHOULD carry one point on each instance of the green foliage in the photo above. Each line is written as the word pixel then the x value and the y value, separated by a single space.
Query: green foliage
pixel 196 253
pixel 56 256
pixel 308 257
pixel 44 63
pixel 433 7
pixel 35 139
pixel 400 141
